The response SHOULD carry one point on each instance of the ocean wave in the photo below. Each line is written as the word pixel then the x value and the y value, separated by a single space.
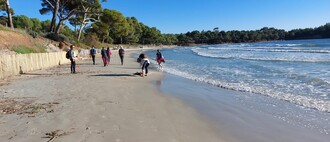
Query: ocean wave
pixel 261 49
pixel 305 101
pixel 288 45
pixel 308 80
pixel 287 60
pixel 318 82
pixel 261 44
pixel 265 58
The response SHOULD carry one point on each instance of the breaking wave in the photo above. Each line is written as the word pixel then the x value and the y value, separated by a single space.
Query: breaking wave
pixel 305 101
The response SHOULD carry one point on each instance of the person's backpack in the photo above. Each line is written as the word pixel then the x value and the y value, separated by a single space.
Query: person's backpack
pixel 68 54
pixel 92 51
pixel 121 51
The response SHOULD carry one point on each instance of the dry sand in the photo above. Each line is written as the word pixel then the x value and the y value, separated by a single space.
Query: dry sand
pixel 98 104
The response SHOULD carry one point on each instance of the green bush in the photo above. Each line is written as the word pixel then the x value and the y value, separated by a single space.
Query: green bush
pixel 56 37
pixel 33 34
pixel 2 28
pixel 91 40
pixel 23 50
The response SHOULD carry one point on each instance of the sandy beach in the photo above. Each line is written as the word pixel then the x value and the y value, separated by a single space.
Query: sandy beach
pixel 111 104
pixel 97 104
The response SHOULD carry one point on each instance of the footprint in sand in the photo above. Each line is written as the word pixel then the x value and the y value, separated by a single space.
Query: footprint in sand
pixel 100 132
pixel 154 128
pixel 116 127
pixel 119 140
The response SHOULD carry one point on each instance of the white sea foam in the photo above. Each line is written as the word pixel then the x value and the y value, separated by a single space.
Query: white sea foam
pixel 305 101
pixel 253 56
pixel 288 45
pixel 267 49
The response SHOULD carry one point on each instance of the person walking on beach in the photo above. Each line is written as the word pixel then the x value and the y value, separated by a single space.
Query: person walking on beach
pixel 121 54
pixel 104 56
pixel 72 57
pixel 93 53
pixel 145 64
pixel 159 59
pixel 109 53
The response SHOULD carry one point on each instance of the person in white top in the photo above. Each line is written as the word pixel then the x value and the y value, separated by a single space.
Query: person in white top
pixel 144 64
pixel 73 59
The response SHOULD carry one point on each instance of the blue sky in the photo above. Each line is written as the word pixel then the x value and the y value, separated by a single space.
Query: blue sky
pixel 181 16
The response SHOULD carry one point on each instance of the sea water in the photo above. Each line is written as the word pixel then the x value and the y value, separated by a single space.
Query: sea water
pixel 294 71
pixel 279 73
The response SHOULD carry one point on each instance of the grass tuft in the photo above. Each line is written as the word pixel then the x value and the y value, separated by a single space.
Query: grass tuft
pixel 40 47
pixel 23 50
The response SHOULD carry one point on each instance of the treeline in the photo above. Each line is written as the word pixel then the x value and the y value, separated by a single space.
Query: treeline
pixel 85 21
pixel 309 33
pixel 265 34
pixel 114 28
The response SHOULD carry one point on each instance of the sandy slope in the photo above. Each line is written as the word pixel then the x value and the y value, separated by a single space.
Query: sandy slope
pixel 97 104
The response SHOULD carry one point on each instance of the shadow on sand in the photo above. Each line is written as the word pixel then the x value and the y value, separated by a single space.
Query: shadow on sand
pixel 45 74
pixel 115 75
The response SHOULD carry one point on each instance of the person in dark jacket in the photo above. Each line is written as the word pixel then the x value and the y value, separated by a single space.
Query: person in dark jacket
pixel 121 54
pixel 104 56
pixel 159 59
pixel 93 53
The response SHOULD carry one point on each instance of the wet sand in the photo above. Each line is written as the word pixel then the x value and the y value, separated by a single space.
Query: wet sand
pixel 247 117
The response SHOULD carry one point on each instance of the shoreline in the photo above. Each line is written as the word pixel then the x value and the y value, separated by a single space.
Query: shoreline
pixel 97 104
pixel 112 104
pixel 245 116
